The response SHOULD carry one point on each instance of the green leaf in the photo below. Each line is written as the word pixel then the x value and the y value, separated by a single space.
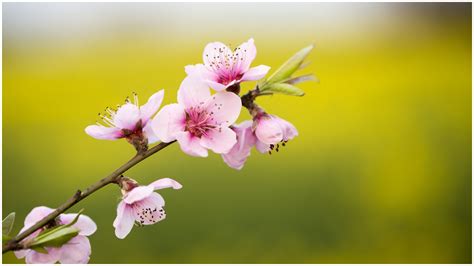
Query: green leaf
pixel 75 218
pixel 5 238
pixel 55 238
pixel 7 223
pixel 40 249
pixel 300 79
pixel 285 88
pixel 288 68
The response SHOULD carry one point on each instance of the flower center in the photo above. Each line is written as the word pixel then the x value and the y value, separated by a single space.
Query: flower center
pixel 227 78
pixel 199 121
pixel 145 215
pixel 108 117
pixel 225 63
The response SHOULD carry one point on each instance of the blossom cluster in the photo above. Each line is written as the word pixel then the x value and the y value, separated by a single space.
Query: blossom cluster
pixel 203 118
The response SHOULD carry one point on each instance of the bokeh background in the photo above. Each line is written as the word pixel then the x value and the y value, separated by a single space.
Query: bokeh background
pixel 381 171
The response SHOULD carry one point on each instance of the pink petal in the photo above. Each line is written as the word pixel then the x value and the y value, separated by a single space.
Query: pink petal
pixel 165 183
pixel 36 214
pixel 77 250
pixel 245 136
pixel 219 141
pixel 233 161
pixel 151 107
pixel 127 116
pixel 201 72
pixel 268 130
pixel 190 144
pixel 101 132
pixel 149 210
pixel 256 73
pixel 216 85
pixel 225 107
pixel 193 92
pixel 248 52
pixel 289 131
pixel 51 257
pixel 137 194
pixel 85 224
pixel 150 134
pixel 169 120
pixel 210 78
pixel 20 254
pixel 124 221
pixel 215 51
pixel 262 147
pixel 237 156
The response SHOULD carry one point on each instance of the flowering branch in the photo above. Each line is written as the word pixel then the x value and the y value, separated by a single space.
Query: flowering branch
pixel 198 122
pixel 14 243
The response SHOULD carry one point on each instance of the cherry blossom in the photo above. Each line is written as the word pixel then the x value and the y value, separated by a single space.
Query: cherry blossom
pixel 199 121
pixel 141 204
pixel 129 121
pixel 223 67
pixel 266 133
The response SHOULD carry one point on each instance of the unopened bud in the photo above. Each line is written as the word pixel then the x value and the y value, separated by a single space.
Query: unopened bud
pixel 127 184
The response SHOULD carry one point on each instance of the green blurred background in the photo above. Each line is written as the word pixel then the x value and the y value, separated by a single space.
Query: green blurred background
pixel 381 171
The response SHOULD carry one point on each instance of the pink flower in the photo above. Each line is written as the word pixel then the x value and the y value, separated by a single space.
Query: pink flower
pixel 246 139
pixel 266 133
pixel 77 250
pixel 129 121
pixel 199 121
pixel 141 204
pixel 223 67
pixel 271 130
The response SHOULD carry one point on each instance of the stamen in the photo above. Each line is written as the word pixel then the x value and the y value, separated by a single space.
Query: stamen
pixel 110 111
pixel 135 98
pixel 108 121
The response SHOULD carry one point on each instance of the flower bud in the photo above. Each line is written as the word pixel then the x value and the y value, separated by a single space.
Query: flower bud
pixel 267 129
pixel 127 184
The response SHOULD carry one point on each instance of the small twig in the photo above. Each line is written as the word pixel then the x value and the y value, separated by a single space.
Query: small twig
pixel 14 243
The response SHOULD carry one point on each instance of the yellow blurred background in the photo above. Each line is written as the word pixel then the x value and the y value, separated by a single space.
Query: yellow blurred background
pixel 381 171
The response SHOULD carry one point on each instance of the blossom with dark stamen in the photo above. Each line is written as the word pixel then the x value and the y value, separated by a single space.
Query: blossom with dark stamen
pixel 266 133
pixel 141 204
pixel 223 67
